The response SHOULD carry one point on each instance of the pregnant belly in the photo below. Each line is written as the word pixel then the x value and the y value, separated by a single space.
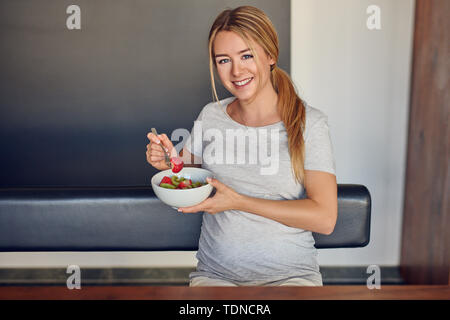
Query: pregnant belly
pixel 251 249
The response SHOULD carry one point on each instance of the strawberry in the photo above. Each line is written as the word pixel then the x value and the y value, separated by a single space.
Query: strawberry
pixel 185 183
pixel 166 179
pixel 177 164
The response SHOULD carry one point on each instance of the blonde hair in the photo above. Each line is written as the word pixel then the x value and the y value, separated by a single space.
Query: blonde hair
pixel 251 23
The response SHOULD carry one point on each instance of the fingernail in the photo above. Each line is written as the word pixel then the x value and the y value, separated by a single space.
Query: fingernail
pixel 158 142
pixel 208 179
pixel 179 210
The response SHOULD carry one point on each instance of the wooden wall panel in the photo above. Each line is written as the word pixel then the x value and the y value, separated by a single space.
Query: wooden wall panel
pixel 426 223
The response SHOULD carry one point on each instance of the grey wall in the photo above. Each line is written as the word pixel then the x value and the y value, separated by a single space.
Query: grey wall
pixel 76 105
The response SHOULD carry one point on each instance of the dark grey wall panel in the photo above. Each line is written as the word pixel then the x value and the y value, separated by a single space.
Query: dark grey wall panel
pixel 76 105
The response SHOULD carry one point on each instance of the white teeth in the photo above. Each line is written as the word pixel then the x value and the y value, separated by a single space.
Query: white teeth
pixel 241 83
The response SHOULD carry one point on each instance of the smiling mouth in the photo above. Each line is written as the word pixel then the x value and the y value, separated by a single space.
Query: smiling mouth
pixel 243 83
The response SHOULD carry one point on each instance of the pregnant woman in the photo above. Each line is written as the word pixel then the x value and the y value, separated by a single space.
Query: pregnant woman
pixel 257 227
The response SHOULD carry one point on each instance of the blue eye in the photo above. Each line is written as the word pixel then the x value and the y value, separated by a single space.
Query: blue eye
pixel 244 57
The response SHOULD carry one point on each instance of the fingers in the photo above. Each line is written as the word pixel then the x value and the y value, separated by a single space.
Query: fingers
pixel 165 142
pixel 169 145
pixel 156 159
pixel 156 149
pixel 161 139
pixel 155 144
pixel 189 209
pixel 154 155
pixel 153 138
pixel 205 205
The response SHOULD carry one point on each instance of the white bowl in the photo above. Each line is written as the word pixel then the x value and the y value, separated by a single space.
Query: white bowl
pixel 183 197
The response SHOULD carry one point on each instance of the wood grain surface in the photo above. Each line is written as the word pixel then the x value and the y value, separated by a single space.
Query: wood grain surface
pixel 224 293
pixel 425 253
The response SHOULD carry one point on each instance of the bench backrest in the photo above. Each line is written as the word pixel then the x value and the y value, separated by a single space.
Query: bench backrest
pixel 134 219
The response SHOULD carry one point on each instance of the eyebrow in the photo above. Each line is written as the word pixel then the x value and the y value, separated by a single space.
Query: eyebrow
pixel 225 55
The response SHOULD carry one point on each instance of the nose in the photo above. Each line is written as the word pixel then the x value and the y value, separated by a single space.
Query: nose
pixel 236 69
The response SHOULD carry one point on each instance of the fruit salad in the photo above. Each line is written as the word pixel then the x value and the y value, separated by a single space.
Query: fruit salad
pixel 175 182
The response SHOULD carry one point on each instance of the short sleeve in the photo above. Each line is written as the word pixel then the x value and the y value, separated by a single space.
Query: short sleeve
pixel 194 142
pixel 318 148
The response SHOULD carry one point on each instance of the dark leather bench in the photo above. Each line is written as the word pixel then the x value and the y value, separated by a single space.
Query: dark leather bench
pixel 134 219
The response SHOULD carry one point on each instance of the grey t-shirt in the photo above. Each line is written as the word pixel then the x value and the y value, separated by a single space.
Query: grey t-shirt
pixel 243 247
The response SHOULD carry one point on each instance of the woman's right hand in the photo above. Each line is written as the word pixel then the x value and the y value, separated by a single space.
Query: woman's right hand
pixel 155 154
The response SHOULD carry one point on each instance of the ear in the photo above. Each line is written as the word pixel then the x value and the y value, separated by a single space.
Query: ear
pixel 271 60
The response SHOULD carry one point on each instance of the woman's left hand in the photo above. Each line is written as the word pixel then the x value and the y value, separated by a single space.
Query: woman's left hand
pixel 224 199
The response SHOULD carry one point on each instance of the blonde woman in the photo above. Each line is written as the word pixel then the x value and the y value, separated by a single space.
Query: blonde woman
pixel 257 227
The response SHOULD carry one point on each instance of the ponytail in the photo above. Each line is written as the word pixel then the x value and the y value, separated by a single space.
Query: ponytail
pixel 293 114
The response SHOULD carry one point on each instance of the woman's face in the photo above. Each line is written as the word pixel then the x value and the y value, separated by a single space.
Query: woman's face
pixel 237 68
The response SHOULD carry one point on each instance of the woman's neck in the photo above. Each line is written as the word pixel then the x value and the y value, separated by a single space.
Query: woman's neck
pixel 261 109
